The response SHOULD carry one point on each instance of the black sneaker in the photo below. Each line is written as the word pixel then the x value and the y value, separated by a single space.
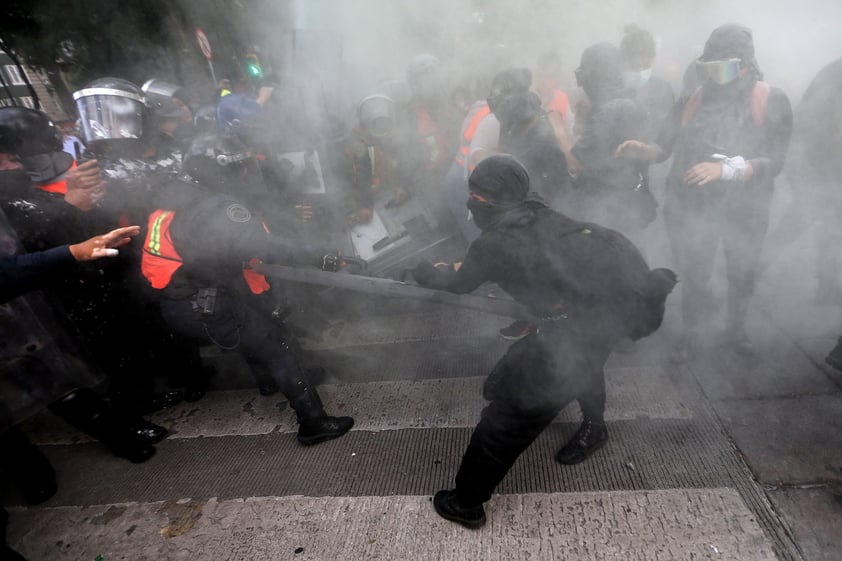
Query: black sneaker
pixel 590 437
pixel 148 432
pixel 447 506
pixel 835 357
pixel 517 330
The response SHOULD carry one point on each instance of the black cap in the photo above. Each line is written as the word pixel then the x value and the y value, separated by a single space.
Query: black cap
pixel 501 179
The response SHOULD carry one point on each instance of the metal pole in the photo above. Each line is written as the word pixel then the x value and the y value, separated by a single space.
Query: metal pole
pixel 213 75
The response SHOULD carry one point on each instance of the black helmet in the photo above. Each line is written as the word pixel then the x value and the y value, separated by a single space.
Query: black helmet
pixel 166 100
pixel 223 163
pixel 113 111
pixel 36 140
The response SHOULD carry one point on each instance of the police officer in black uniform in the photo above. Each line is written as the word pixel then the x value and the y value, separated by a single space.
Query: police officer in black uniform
pixel 201 244
pixel 587 286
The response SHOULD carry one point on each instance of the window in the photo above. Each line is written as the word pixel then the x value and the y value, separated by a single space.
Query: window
pixel 13 75
pixel 27 102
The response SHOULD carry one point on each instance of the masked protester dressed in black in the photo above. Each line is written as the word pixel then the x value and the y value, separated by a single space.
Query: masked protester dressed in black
pixel 585 286
pixel 729 138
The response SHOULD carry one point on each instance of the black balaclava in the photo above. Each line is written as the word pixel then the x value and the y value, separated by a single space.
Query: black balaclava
pixel 600 72
pixel 510 99
pixel 503 182
pixel 15 183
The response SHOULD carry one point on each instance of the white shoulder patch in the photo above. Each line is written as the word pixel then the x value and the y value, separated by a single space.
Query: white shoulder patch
pixel 238 213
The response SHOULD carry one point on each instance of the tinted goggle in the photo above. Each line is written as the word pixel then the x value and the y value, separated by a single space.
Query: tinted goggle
pixel 719 71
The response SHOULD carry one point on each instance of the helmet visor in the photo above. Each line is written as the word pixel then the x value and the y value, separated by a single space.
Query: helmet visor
pixel 719 71
pixel 110 114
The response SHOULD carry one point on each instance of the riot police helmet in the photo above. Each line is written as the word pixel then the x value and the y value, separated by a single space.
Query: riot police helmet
pixel 377 115
pixel 166 100
pixel 222 163
pixel 32 136
pixel 113 112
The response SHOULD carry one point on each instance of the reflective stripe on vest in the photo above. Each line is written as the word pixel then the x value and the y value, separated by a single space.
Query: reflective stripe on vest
pixel 159 260
pixel 468 135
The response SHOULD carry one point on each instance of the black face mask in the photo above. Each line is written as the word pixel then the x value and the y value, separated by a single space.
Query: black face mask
pixel 485 215
pixel 15 182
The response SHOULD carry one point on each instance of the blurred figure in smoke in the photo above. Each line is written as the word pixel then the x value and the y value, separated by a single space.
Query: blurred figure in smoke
pixel 637 51
pixel 526 133
pixel 371 160
pixel 610 190
pixel 586 288
pixel 431 125
pixel 547 84
pixel 479 137
pixel 817 168
pixel 728 140
pixel 199 251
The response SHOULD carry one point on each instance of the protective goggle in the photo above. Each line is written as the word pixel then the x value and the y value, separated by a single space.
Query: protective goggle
pixel 719 71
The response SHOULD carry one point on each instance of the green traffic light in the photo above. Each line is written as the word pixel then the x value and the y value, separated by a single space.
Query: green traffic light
pixel 255 70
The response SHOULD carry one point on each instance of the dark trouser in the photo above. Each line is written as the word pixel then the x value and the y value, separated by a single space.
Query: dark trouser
pixel 531 384
pixel 237 326
pixel 695 235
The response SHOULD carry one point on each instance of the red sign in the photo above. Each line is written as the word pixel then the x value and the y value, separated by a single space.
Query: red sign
pixel 204 44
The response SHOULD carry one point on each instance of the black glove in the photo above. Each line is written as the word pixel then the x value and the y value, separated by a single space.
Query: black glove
pixel 424 273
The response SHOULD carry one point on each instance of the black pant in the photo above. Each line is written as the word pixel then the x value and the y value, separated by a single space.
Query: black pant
pixel 530 385
pixel 240 326
pixel 695 235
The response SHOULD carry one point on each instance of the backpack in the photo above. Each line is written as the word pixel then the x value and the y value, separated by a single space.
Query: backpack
pixel 606 267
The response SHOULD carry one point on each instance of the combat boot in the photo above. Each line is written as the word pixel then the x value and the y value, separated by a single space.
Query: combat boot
pixel 591 436
pixel 314 425
pixel 90 413
pixel 447 505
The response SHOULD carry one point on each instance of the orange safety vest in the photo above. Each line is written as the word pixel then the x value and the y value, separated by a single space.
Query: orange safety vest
pixel 468 135
pixel 430 132
pixel 160 260
pixel 559 104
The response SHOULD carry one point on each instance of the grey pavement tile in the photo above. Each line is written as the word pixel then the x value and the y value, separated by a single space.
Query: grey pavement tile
pixel 674 525
pixel 790 441
pixel 814 515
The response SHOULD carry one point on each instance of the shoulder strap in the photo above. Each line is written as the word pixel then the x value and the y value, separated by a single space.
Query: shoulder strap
pixel 759 103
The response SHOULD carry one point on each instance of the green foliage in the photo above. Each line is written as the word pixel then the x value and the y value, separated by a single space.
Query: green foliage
pixel 88 38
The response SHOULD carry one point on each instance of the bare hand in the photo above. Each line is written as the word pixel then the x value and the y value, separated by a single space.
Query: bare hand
pixel 104 245
pixel 85 186
pixel 703 173
pixel 637 150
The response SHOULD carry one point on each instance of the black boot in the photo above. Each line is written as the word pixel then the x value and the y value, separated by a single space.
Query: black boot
pixel 27 466
pixel 447 505
pixel 314 425
pixel 90 413
pixel 591 436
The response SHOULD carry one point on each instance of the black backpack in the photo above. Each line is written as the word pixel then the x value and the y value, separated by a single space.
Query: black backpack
pixel 606 267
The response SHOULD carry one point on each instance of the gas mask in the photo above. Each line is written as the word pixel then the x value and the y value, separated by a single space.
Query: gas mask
pixel 636 79
pixel 720 72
